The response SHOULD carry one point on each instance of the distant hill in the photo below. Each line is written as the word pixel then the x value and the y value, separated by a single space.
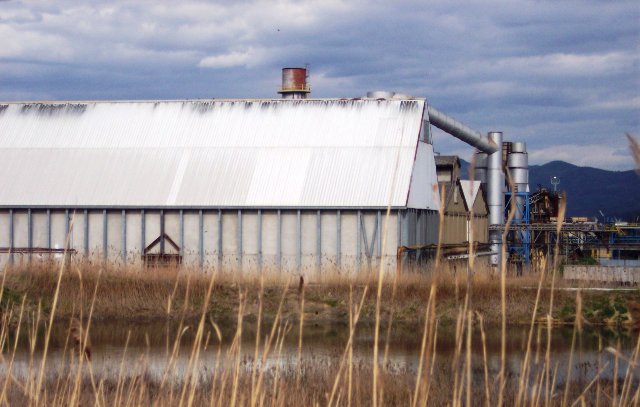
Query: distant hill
pixel 589 190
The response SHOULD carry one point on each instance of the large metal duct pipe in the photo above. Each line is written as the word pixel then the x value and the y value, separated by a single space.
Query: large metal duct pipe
pixel 461 131
pixel 495 195
pixel 489 165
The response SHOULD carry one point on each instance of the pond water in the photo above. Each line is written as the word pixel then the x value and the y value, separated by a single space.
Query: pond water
pixel 129 349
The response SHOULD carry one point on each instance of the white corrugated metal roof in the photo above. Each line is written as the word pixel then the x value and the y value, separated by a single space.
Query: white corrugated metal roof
pixel 240 153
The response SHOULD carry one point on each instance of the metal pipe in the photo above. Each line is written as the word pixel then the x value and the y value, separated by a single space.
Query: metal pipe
pixel 495 195
pixel 461 131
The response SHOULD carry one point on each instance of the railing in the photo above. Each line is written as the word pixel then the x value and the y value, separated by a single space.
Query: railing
pixel 305 89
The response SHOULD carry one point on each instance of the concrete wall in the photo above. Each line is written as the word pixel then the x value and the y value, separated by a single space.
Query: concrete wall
pixel 291 240
pixel 610 274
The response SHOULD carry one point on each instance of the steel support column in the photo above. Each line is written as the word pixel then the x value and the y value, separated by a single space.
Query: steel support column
pixel 161 231
pixel 399 228
pixel 379 221
pixel 48 228
pixel 319 240
pixel 239 239
pixel 104 234
pixel 259 240
pixel 299 241
pixel 219 239
pixel 338 238
pixel 279 241
pixel 358 240
pixel 143 237
pixel 67 229
pixel 11 242
pixel 86 234
pixel 124 236
pixel 181 226
pixel 29 233
pixel 200 238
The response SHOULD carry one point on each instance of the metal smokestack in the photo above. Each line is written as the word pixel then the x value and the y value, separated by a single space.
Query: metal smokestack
pixel 495 195
pixel 294 83
pixel 518 163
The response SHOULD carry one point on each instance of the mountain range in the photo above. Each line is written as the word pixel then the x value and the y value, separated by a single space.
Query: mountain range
pixel 590 191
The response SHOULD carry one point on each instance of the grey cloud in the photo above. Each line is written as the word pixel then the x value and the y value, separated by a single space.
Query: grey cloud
pixel 550 73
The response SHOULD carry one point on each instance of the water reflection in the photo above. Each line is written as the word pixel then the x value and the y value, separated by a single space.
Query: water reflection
pixel 127 350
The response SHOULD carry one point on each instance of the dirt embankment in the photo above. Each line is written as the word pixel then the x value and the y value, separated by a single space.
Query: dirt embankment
pixel 138 295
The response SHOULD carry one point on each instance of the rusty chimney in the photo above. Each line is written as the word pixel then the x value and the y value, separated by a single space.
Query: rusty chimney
pixel 294 83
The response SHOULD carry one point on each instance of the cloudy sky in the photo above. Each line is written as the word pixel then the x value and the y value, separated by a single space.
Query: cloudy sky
pixel 564 76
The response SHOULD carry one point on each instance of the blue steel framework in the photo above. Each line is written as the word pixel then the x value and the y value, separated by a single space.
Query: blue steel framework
pixel 519 241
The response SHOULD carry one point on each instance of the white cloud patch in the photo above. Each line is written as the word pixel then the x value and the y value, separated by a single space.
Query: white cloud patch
pixel 251 57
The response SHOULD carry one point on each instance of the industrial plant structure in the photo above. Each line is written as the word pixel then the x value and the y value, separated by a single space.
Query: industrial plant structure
pixel 292 183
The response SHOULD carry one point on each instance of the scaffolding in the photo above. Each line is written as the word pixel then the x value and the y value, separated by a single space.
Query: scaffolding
pixel 519 239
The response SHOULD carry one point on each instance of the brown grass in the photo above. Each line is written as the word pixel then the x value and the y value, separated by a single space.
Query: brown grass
pixel 48 295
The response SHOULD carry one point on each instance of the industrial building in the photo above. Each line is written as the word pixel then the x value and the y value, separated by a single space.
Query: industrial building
pixel 294 183
pixel 466 215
